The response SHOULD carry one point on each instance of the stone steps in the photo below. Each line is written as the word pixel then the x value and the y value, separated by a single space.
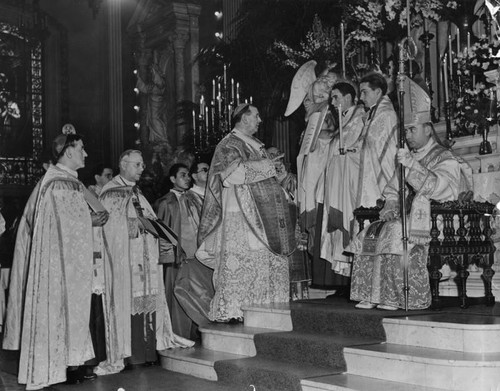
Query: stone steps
pixel 195 361
pixel 346 382
pixel 437 351
pixel 271 316
pixel 447 331
pixel 268 374
pixel 229 338
pixel 221 341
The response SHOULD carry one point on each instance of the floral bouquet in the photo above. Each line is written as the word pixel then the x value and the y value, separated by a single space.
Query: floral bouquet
pixel 477 77
pixel 321 44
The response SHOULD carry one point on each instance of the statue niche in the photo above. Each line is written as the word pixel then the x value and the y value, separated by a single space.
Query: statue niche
pixel 153 87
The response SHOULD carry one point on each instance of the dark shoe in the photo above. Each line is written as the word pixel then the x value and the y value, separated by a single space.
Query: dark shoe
pixel 90 376
pixel 131 367
pixel 88 372
pixel 74 376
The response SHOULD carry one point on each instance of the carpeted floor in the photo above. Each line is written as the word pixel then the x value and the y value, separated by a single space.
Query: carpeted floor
pixel 321 329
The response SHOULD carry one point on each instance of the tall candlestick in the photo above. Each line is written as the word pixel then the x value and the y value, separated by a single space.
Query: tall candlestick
pixel 341 131
pixel 492 102
pixel 233 92
pixel 206 117
pixel 342 43
pixel 194 120
pixel 213 120
pixel 219 105
pixel 251 99
pixel 237 93
pixel 468 42
pixel 458 40
pixel 494 27
pixel 225 79
pixel 213 89
pixel 445 77
pixel 450 56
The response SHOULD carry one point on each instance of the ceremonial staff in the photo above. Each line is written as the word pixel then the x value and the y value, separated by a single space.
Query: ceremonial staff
pixel 403 56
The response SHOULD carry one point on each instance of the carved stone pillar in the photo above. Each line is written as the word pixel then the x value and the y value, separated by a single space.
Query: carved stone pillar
pixel 180 74
pixel 115 78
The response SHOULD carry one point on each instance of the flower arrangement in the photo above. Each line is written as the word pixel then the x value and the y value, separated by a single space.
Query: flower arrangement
pixel 371 20
pixel 321 44
pixel 476 85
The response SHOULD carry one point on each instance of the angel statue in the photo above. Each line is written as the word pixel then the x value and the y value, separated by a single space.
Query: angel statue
pixel 314 93
pixel 154 86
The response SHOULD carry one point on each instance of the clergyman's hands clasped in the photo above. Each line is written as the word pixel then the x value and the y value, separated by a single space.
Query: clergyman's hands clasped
pixel 99 219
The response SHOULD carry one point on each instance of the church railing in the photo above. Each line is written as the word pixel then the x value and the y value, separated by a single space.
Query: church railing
pixel 460 236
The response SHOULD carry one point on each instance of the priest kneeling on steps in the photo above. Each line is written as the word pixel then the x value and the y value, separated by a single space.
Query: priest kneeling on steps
pixel 432 172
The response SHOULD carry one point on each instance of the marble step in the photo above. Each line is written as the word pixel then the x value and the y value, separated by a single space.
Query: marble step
pixel 271 316
pixel 195 361
pixel 231 338
pixel 347 382
pixel 459 332
pixel 437 368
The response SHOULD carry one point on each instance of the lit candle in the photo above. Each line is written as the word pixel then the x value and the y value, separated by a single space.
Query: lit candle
pixel 341 132
pixel 194 120
pixel 233 92
pixel 492 102
pixel 458 41
pixel 251 100
pixel 246 101
pixel 213 89
pixel 206 117
pixel 445 77
pixel 468 41
pixel 494 28
pixel 342 43
pixel 238 93
pixel 450 56
pixel 219 104
pixel 225 79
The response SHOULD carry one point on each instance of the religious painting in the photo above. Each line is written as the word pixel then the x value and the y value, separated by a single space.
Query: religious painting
pixel 20 104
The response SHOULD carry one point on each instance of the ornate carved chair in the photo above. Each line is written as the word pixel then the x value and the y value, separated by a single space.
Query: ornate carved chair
pixel 463 243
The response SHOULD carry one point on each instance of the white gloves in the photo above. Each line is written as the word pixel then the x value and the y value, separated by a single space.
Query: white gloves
pixel 404 157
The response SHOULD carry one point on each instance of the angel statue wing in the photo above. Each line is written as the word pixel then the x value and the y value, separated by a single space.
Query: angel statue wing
pixel 301 82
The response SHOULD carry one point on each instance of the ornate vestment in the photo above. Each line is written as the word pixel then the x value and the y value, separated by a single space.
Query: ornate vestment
pixel 246 232
pixel 377 274
pixel 133 277
pixel 311 166
pixel 341 188
pixel 188 283
pixel 378 152
pixel 51 282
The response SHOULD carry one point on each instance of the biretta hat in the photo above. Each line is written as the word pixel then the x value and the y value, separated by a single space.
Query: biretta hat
pixel 240 108
pixel 60 143
pixel 417 104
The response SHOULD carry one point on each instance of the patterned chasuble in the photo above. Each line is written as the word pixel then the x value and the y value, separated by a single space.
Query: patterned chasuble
pixel 377 275
pixel 134 281
pixel 53 267
pixel 245 229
